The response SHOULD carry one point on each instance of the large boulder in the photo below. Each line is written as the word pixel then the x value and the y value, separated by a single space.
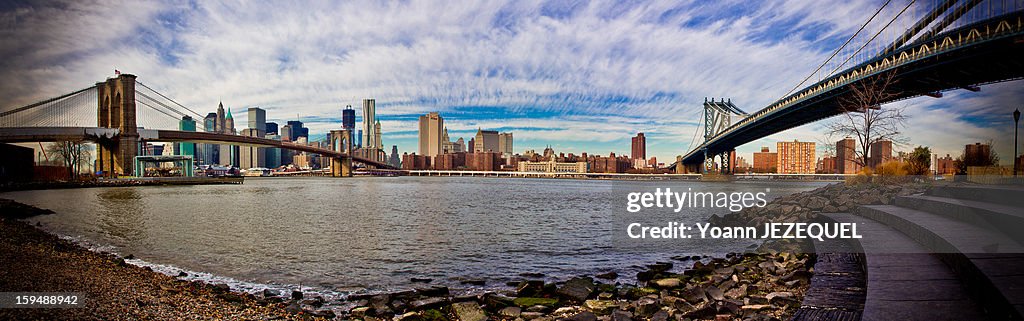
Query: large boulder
pixel 577 289
pixel 468 311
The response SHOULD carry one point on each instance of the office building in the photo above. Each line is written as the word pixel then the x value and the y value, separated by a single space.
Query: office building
pixel 431 135
pixel 765 161
pixel 297 130
pixel 186 124
pixel 208 152
pixel 271 128
pixel 486 141
pixel 505 144
pixel 639 148
pixel 348 118
pixel 795 157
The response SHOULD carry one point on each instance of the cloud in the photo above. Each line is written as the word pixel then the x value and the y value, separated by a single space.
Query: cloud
pixel 585 74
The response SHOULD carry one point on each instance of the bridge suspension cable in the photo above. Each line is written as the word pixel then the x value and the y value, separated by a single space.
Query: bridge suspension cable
pixel 171 100
pixel 872 37
pixel 834 53
pixel 74 109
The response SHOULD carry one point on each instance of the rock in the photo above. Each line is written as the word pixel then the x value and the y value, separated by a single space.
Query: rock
pixel 669 283
pixel 577 289
pixel 584 316
pixel 511 312
pixel 530 315
pixel 538 308
pixel 477 282
pixel 714 293
pixel 420 280
pixel 182 274
pixel 468 311
pixel 601 307
pixel 410 316
pixel 436 290
pixel 608 276
pixel 221 287
pixel 379 303
pixel 755 300
pixel 737 292
pixel 660 267
pixel 360 311
pixel 564 311
pixel 605 296
pixel 323 313
pixel 530 288
pixel 427 303
pixel 497 301
pixel 646 306
pixel 661 315
pixel 293 308
pixel 296 295
pixel 271 293
pixel 620 315
pixel 526 302
pixel 694 295
pixel 755 307
pixel 780 298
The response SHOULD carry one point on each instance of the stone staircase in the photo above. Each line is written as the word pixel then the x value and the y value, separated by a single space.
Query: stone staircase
pixel 952 253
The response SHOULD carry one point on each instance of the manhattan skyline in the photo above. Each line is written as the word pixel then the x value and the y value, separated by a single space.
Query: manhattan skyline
pixel 576 76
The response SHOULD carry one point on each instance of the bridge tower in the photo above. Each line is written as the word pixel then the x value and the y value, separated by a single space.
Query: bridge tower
pixel 116 109
pixel 718 116
pixel 341 142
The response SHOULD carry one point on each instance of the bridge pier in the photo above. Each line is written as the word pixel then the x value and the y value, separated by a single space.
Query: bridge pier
pixel 116 109
pixel 341 142
pixel 341 166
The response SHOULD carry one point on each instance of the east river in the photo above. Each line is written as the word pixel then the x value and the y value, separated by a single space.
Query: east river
pixel 345 234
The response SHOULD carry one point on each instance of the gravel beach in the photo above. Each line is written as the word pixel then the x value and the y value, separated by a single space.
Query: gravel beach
pixel 36 261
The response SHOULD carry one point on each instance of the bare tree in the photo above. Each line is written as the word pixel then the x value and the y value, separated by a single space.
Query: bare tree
pixel 74 154
pixel 863 118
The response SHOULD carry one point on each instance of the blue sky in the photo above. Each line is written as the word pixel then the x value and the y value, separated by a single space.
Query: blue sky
pixel 576 75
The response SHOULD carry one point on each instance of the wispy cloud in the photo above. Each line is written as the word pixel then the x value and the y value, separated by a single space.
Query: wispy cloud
pixel 581 74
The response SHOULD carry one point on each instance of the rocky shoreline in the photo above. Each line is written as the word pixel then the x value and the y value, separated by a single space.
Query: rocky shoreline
pixel 769 285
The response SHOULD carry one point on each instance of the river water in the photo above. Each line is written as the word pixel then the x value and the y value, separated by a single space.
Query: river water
pixel 369 233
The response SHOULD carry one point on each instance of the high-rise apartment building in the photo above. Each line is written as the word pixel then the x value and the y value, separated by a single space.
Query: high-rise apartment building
pixel 431 135
pixel 369 123
pixel 881 152
pixel 846 156
pixel 796 157
pixel 765 161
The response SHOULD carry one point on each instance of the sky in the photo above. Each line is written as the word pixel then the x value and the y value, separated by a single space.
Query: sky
pixel 579 76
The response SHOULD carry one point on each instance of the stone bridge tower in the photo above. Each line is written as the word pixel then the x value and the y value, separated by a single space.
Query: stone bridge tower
pixel 116 100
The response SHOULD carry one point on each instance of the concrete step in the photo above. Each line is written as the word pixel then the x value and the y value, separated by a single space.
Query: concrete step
pixel 904 281
pixel 1008 219
pixel 1012 195
pixel 972 250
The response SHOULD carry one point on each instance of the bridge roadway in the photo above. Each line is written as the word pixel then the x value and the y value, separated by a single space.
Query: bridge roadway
pixel 94 134
pixel 985 52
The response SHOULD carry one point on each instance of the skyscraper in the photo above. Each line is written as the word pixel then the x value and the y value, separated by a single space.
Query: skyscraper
pixel 271 128
pixel 395 159
pixel 369 123
pixel 639 148
pixel 208 152
pixel 431 134
pixel 252 156
pixel 505 144
pixel 186 124
pixel 297 130
pixel 846 155
pixel 796 157
pixel 348 118
pixel 486 141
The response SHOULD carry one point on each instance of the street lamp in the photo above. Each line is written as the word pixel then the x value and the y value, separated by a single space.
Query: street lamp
pixel 1016 119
